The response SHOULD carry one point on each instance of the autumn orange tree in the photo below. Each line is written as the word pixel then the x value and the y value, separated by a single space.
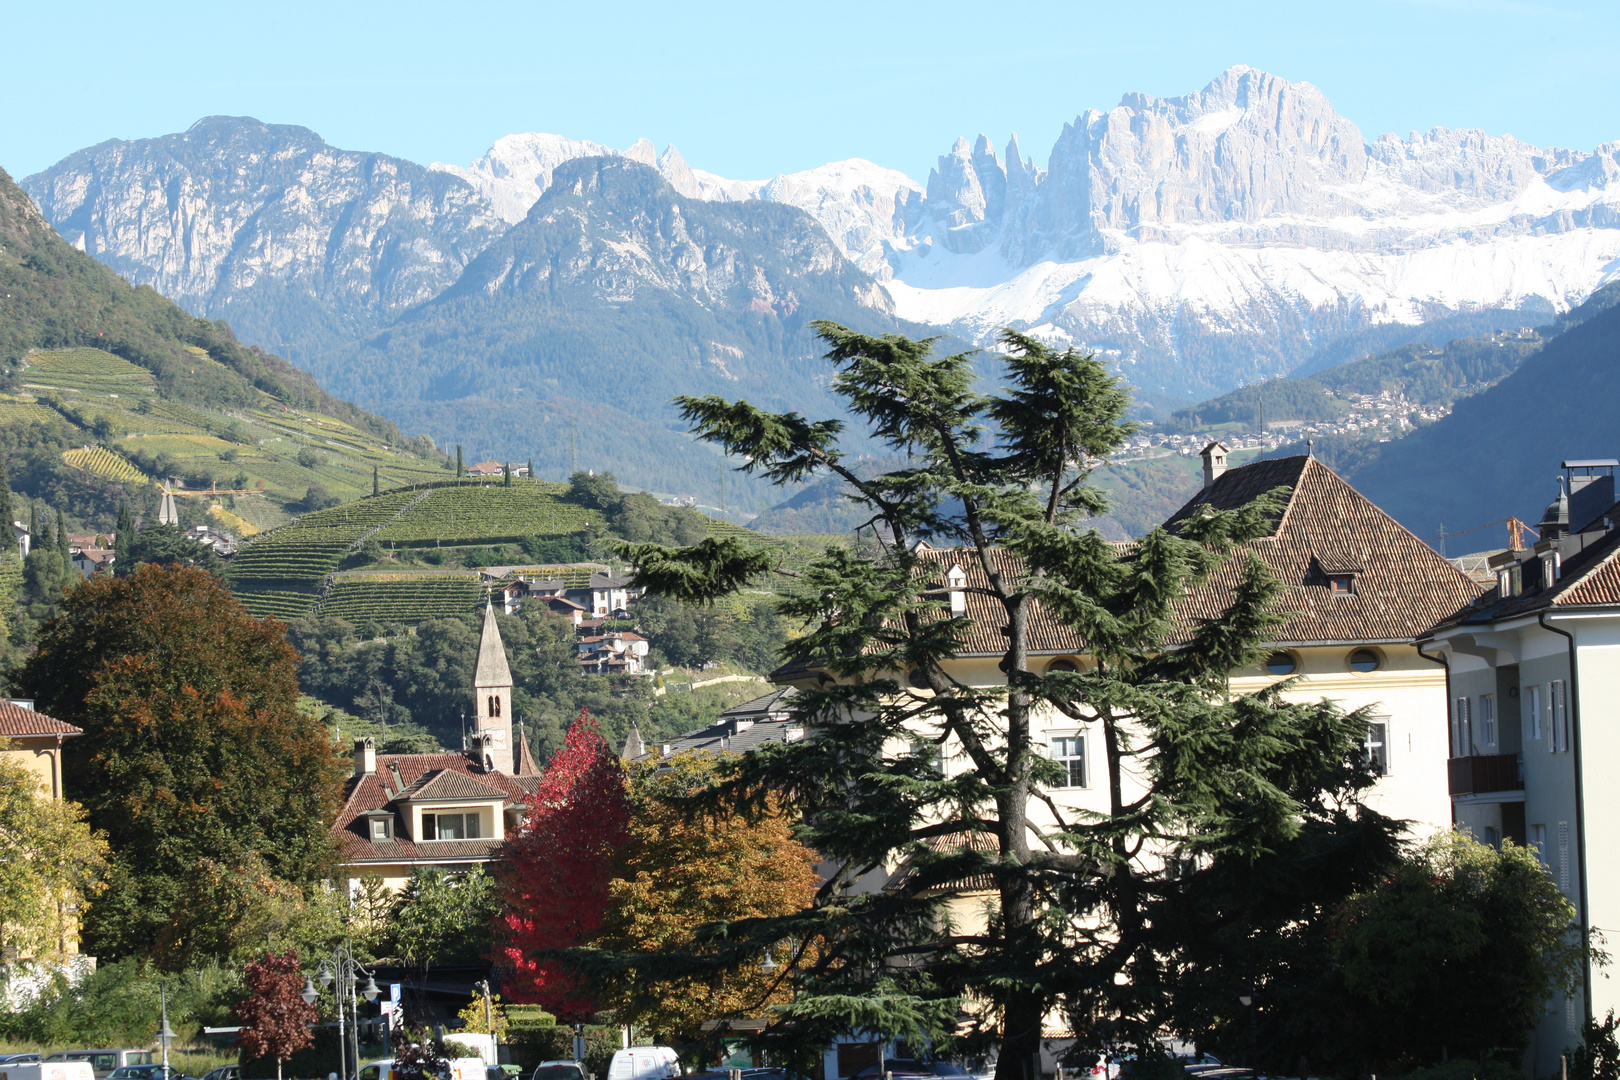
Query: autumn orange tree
pixel 681 871
pixel 555 869
pixel 275 1017
pixel 195 761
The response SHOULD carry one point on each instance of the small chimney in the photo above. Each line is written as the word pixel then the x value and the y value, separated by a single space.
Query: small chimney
pixel 956 581
pixel 1214 456
pixel 365 757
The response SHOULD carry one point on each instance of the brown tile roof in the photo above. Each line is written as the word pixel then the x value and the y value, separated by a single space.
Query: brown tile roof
pixel 449 784
pixel 16 722
pixel 1589 578
pixel 379 790
pixel 1402 586
pixel 945 845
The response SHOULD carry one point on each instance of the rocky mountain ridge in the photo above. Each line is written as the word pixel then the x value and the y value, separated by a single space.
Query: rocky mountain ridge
pixel 1202 241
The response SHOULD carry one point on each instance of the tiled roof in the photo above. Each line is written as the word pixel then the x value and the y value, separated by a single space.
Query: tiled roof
pixel 16 722
pixel 776 702
pixel 1401 586
pixel 944 845
pixel 449 784
pixel 403 771
pixel 1589 578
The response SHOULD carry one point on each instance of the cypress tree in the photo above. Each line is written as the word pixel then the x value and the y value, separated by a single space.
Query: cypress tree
pixel 61 536
pixel 374 480
pixel 122 541
pixel 506 475
pixel 6 509
pixel 458 461
pixel 531 468
pixel 33 524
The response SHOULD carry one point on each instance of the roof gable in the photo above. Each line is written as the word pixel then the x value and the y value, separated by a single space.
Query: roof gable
pixel 18 722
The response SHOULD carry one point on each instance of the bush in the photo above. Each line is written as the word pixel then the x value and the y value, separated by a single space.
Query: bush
pixel 309 459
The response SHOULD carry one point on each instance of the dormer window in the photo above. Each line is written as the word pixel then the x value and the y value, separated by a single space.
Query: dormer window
pixel 1342 584
pixel 380 832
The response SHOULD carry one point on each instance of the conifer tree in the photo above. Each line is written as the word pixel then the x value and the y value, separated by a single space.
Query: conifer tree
pixel 61 536
pixel 123 540
pixel 33 522
pixel 458 461
pixel 1088 912
pixel 506 475
pixel 6 508
pixel 374 487
pixel 531 468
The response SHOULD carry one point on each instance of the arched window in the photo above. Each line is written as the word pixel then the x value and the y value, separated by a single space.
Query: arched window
pixel 494 705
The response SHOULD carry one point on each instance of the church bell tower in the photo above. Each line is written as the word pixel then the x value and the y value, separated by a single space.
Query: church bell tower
pixel 492 700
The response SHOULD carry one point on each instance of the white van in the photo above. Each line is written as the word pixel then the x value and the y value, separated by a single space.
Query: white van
pixel 644 1063
pixel 49 1070
pixel 454 1069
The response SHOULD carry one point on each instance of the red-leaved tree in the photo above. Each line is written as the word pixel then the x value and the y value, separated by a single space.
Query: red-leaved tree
pixel 275 1017
pixel 554 876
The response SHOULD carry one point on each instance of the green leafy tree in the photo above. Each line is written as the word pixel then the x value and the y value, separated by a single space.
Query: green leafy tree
pixel 1457 951
pixel 442 918
pixel 51 862
pixel 196 762
pixel 1088 910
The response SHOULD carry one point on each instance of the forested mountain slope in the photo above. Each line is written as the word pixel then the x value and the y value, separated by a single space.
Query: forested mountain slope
pixel 615 294
pixel 93 361
pixel 1499 451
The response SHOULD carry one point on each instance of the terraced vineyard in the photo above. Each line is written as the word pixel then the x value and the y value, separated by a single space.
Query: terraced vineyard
pixel 208 447
pixel 473 513
pixel 405 598
pixel 103 462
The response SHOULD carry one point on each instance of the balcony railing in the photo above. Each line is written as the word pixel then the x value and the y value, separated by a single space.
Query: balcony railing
pixel 1484 773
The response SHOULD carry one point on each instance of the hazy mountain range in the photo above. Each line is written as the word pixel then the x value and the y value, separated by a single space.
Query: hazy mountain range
pixel 1203 242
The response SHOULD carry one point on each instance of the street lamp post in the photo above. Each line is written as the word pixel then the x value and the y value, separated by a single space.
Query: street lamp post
pixel 341 971
pixel 165 1033
pixel 489 1019
pixel 1248 1001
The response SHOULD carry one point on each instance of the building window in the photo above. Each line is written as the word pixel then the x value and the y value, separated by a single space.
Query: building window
pixel 1462 743
pixel 1281 663
pixel 380 830
pixel 494 706
pixel 1365 660
pixel 1487 721
pixel 1532 705
pixel 1342 584
pixel 1070 752
pixel 449 826
pixel 1493 836
pixel 1378 747
pixel 1061 665
pixel 1558 705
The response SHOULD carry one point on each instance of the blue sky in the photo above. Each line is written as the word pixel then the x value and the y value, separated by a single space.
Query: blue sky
pixel 751 90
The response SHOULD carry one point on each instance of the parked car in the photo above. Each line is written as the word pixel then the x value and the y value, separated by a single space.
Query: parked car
pixel 559 1070
pixel 49 1070
pixel 910 1067
pixel 146 1072
pixel 224 1072
pixel 758 1072
pixel 19 1059
pixel 103 1062
pixel 644 1063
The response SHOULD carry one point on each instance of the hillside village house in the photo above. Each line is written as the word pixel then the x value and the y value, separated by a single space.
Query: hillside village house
pixel 35 741
pixel 1535 718
pixel 403 811
pixel 586 588
pixel 1360 592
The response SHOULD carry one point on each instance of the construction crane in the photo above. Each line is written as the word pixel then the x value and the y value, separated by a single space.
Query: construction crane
pixel 1516 531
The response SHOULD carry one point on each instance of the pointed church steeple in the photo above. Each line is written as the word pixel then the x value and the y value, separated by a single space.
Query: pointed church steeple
pixel 166 511
pixel 634 748
pixel 492 698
